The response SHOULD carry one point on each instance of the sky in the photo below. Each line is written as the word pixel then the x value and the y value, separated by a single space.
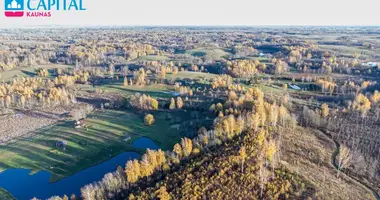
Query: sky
pixel 209 12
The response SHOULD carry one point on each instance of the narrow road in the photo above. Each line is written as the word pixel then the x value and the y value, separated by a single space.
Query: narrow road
pixel 333 161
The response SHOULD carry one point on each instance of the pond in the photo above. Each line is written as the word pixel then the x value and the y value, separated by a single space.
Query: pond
pixel 144 143
pixel 24 186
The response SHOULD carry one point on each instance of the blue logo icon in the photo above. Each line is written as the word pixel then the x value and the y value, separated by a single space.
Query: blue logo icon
pixel 14 8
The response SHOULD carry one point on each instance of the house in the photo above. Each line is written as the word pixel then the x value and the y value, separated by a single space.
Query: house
pixel 61 144
pixel 294 87
pixel 370 64
pixel 80 123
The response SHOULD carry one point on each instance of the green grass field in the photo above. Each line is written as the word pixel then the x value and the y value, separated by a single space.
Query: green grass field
pixel 86 147
pixel 152 90
pixel 116 86
pixel 192 75
pixel 215 54
pixel 28 71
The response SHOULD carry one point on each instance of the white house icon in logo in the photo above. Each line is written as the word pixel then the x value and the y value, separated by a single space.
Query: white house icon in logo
pixel 14 8
pixel 14 5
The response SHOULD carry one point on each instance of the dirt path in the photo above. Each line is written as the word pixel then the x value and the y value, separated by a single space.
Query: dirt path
pixel 333 162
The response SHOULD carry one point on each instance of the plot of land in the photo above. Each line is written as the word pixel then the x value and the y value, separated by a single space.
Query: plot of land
pixel 215 54
pixel 102 140
pixel 28 71
pixel 192 75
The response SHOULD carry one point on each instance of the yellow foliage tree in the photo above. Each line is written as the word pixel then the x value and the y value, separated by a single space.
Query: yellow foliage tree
pixel 172 104
pixel 271 150
pixel 361 104
pixel 162 194
pixel 187 146
pixel 149 119
pixel 325 110
pixel 179 102
pixel 243 156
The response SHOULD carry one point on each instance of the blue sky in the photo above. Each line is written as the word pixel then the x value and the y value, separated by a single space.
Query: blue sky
pixel 211 12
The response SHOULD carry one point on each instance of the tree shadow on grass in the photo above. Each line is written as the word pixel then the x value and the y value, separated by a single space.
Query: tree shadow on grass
pixel 28 73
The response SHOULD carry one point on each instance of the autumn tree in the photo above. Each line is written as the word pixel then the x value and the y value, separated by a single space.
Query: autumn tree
pixel 141 77
pixel 162 194
pixel 361 104
pixel 187 146
pixel 281 67
pixel 149 120
pixel 125 81
pixel 285 87
pixel 144 102
pixel 132 170
pixel 179 102
pixel 243 156
pixel 325 110
pixel 375 98
pixel 344 158
pixel 175 70
pixel 154 103
pixel 172 104
pixel 146 169
pixel 271 150
pixel 178 150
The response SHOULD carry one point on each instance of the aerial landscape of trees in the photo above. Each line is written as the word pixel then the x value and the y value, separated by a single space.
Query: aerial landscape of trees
pixel 236 113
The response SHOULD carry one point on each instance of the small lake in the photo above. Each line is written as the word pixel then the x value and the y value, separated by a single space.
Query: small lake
pixel 144 143
pixel 24 186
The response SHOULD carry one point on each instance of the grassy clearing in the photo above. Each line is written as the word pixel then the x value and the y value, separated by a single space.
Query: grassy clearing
pixel 152 90
pixel 28 71
pixel 4 195
pixel 153 58
pixel 192 75
pixel 215 54
pixel 116 86
pixel 86 147
pixel 349 50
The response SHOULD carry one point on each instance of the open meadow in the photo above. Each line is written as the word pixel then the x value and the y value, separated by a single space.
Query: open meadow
pixel 102 139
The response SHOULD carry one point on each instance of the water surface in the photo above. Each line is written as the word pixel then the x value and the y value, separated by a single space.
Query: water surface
pixel 144 143
pixel 24 186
